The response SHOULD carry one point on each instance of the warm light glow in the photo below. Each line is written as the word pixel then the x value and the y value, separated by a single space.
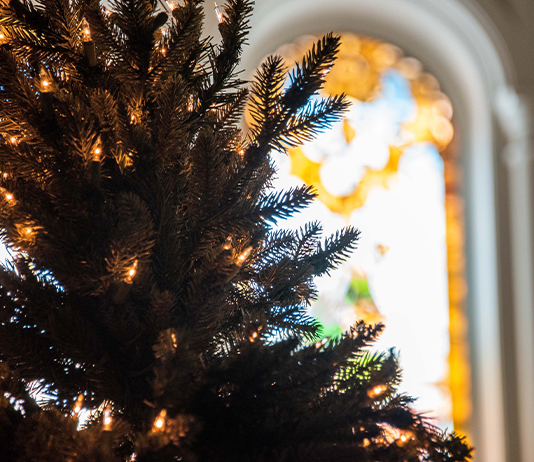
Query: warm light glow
pixel 9 197
pixel 108 420
pixel 377 391
pixel 97 153
pixel 228 243
pixel 86 31
pixel 45 81
pixel 131 273
pixel 78 404
pixel 253 337
pixel 404 437
pixel 13 140
pixel 220 16
pixel 159 423
pixel 244 255
pixel 174 340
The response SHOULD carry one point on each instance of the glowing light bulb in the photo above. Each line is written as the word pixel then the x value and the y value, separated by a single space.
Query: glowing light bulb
pixel 45 81
pixel 159 423
pixel 241 153
pixel 243 256
pixel 163 51
pixel 2 36
pixel 227 243
pixel 253 337
pixel 220 16
pixel 78 404
pixel 108 420
pixel 86 31
pixel 9 197
pixel 131 273
pixel 377 391
pixel 97 152
pixel 13 140
pixel 174 340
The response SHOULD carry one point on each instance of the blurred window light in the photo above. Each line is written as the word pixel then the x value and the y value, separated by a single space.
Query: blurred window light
pixel 390 168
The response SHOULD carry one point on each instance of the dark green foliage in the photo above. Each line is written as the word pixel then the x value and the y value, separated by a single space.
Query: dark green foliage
pixel 145 272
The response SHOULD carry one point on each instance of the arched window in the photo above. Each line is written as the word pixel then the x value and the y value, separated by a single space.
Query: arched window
pixel 389 168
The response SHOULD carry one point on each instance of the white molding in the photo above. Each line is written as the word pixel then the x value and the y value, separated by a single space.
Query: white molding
pixel 515 117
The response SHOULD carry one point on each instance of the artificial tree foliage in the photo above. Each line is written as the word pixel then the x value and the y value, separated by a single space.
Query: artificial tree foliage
pixel 146 281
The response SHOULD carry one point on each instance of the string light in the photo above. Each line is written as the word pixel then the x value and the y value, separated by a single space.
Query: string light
pixel 253 337
pixel 159 423
pixel 88 44
pixel 9 197
pixel 227 243
pixel 97 151
pixel 45 81
pixel 78 404
pixel 131 273
pixel 13 140
pixel 108 420
pixel 86 31
pixel 136 115
pixel 241 153
pixel 243 256
pixel 174 340
pixel 377 391
pixel 220 16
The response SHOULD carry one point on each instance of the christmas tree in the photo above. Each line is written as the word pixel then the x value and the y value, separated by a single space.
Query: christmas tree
pixel 146 281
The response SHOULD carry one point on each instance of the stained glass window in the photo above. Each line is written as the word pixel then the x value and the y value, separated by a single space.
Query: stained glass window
pixel 389 169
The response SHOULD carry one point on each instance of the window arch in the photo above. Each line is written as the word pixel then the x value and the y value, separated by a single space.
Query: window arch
pixel 457 43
